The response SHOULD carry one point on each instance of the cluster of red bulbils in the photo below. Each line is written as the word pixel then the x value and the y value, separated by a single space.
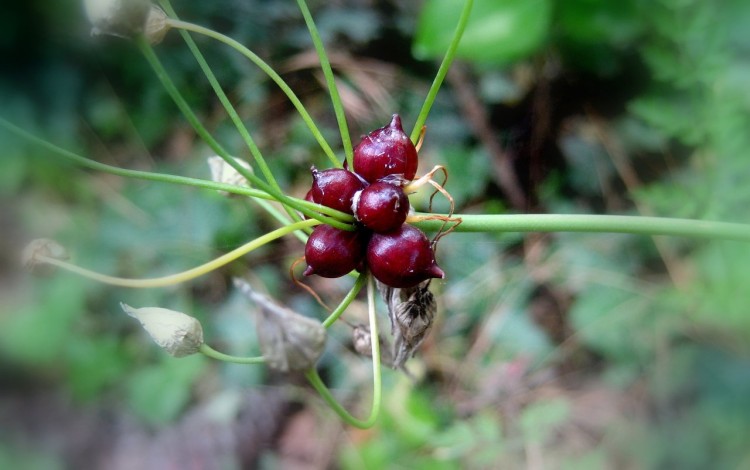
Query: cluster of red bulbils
pixel 398 254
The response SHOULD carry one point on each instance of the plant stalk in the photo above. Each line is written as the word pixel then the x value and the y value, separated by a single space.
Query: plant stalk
pixel 377 386
pixel 208 351
pixel 638 225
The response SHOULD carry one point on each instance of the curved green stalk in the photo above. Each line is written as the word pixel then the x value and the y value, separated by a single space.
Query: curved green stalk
pixel 219 91
pixel 179 100
pixel 281 218
pixel 165 178
pixel 208 351
pixel 271 73
pixel 325 65
pixel 234 116
pixel 639 225
pixel 361 279
pixel 377 387
pixel 142 175
pixel 184 276
pixel 442 71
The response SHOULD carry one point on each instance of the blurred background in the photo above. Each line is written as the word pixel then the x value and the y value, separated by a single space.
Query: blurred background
pixel 549 351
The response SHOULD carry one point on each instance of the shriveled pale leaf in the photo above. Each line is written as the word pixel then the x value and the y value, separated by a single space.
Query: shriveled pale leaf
pixel 289 341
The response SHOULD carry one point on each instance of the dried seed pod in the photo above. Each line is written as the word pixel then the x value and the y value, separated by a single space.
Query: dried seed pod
pixel 362 342
pixel 289 341
pixel 123 18
pixel 178 334
pixel 32 256
pixel 157 25
pixel 411 311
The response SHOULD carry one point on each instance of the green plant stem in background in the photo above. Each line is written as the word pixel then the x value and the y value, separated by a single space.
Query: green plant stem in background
pixel 442 71
pixel 361 279
pixel 184 107
pixel 231 111
pixel 325 64
pixel 377 385
pixel 271 73
pixel 235 117
pixel 208 351
pixel 470 222
pixel 164 178
pixel 142 175
pixel 179 100
pixel 184 276
pixel 595 223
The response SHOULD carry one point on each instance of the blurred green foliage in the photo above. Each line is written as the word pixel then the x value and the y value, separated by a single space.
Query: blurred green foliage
pixel 498 32
pixel 574 351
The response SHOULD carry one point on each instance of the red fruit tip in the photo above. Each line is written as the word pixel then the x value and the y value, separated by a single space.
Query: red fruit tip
pixel 396 122
pixel 436 272
pixel 309 271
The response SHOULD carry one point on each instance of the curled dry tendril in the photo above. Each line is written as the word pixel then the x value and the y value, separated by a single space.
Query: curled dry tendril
pixel 439 188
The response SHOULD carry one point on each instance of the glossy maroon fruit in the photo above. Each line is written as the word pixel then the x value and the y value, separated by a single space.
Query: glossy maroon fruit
pixel 331 252
pixel 381 207
pixel 386 151
pixel 335 188
pixel 402 258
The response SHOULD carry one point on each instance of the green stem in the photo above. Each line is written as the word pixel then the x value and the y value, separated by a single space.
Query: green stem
pixel 184 276
pixel 442 71
pixel 595 223
pixel 361 279
pixel 165 178
pixel 271 73
pixel 235 117
pixel 231 111
pixel 207 350
pixel 280 217
pixel 377 386
pixel 143 175
pixel 325 64
pixel 179 100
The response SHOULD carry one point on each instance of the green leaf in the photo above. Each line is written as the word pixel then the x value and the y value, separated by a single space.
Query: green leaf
pixel 411 414
pixel 478 440
pixel 37 333
pixel 498 32
pixel 28 457
pixel 470 172
pixel 158 393
pixel 95 362
pixel 597 35
pixel 675 115
pixel 614 322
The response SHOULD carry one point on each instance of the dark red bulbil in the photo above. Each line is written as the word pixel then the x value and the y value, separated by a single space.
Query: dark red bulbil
pixel 402 258
pixel 335 188
pixel 386 151
pixel 331 252
pixel 381 207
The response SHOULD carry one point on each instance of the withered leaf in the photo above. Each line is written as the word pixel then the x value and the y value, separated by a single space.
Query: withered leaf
pixel 289 341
